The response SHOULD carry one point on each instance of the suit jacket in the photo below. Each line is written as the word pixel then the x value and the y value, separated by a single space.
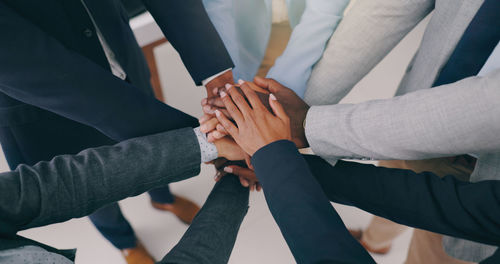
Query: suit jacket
pixel 245 27
pixel 53 71
pixel 420 123
pixel 74 186
pixel 296 189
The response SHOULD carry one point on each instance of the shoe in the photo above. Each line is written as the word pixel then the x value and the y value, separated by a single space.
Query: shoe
pixel 137 255
pixel 183 208
pixel 358 235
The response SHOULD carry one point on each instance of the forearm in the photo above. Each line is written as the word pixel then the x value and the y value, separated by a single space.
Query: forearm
pixel 297 202
pixel 307 43
pixel 444 121
pixel 211 236
pixel 74 186
pixel 368 32
pixel 421 200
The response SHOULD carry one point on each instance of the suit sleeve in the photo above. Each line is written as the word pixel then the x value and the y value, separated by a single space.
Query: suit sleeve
pixel 187 26
pixel 368 32
pixel 38 70
pixel 307 43
pixel 72 186
pixel 448 120
pixel 421 200
pixel 311 227
pixel 211 237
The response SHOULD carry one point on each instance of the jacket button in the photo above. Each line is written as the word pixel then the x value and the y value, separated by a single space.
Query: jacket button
pixel 88 33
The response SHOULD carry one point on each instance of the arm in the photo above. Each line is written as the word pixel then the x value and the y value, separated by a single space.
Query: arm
pixel 311 227
pixel 307 43
pixel 421 200
pixel 448 120
pixel 74 186
pixel 366 34
pixel 37 69
pixel 211 236
pixel 187 26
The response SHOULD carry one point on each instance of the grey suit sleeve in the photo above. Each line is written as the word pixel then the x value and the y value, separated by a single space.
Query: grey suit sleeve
pixel 453 119
pixel 368 32
pixel 74 186
pixel 210 238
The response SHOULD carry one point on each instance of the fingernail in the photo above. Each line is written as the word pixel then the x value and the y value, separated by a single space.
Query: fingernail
pixel 223 94
pixel 240 81
pixel 204 101
pixel 228 169
pixel 215 90
pixel 208 109
pixel 217 113
pixel 272 97
pixel 228 86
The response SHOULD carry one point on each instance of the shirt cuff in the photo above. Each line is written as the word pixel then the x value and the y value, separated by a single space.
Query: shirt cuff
pixel 209 79
pixel 208 150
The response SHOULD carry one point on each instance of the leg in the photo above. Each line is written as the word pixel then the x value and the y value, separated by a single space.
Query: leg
pixel 114 227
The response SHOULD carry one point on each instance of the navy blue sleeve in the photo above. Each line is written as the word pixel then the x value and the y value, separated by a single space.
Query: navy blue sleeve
pixel 187 26
pixel 421 200
pixel 311 227
pixel 37 69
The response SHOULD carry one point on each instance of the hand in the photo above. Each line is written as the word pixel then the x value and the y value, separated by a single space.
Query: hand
pixel 218 82
pixel 294 106
pixel 247 176
pixel 227 148
pixel 255 126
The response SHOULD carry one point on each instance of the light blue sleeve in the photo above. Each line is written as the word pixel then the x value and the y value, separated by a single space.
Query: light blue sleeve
pixel 221 13
pixel 307 43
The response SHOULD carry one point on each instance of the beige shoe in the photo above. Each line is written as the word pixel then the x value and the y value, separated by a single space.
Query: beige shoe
pixel 183 208
pixel 358 235
pixel 137 255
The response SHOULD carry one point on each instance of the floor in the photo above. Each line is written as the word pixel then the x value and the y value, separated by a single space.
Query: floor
pixel 259 240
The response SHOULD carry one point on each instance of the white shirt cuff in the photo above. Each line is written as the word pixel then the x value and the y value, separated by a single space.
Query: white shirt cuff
pixel 208 150
pixel 209 79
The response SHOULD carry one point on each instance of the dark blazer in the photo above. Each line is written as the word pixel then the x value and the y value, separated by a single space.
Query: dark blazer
pixel 297 198
pixel 53 72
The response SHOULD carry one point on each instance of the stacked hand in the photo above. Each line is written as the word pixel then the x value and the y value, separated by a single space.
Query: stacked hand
pixel 254 126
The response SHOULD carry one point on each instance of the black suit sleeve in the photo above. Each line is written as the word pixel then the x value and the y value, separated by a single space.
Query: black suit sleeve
pixel 311 227
pixel 38 70
pixel 422 200
pixel 187 26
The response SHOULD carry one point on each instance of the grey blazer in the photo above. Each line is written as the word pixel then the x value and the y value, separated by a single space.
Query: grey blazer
pixel 420 123
pixel 72 186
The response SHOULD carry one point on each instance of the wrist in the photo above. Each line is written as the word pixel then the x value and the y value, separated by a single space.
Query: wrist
pixel 219 81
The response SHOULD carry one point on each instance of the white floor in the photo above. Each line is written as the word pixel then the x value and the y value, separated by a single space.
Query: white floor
pixel 259 240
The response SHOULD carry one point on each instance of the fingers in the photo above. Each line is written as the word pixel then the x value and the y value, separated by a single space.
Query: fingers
pixel 233 111
pixel 238 99
pixel 228 125
pixel 255 87
pixel 278 109
pixel 245 173
pixel 268 84
pixel 252 96
pixel 215 102
pixel 209 125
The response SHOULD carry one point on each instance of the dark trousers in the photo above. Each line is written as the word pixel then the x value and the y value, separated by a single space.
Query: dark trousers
pixel 31 140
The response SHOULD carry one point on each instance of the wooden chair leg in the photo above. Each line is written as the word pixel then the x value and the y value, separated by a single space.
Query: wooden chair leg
pixel 148 51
